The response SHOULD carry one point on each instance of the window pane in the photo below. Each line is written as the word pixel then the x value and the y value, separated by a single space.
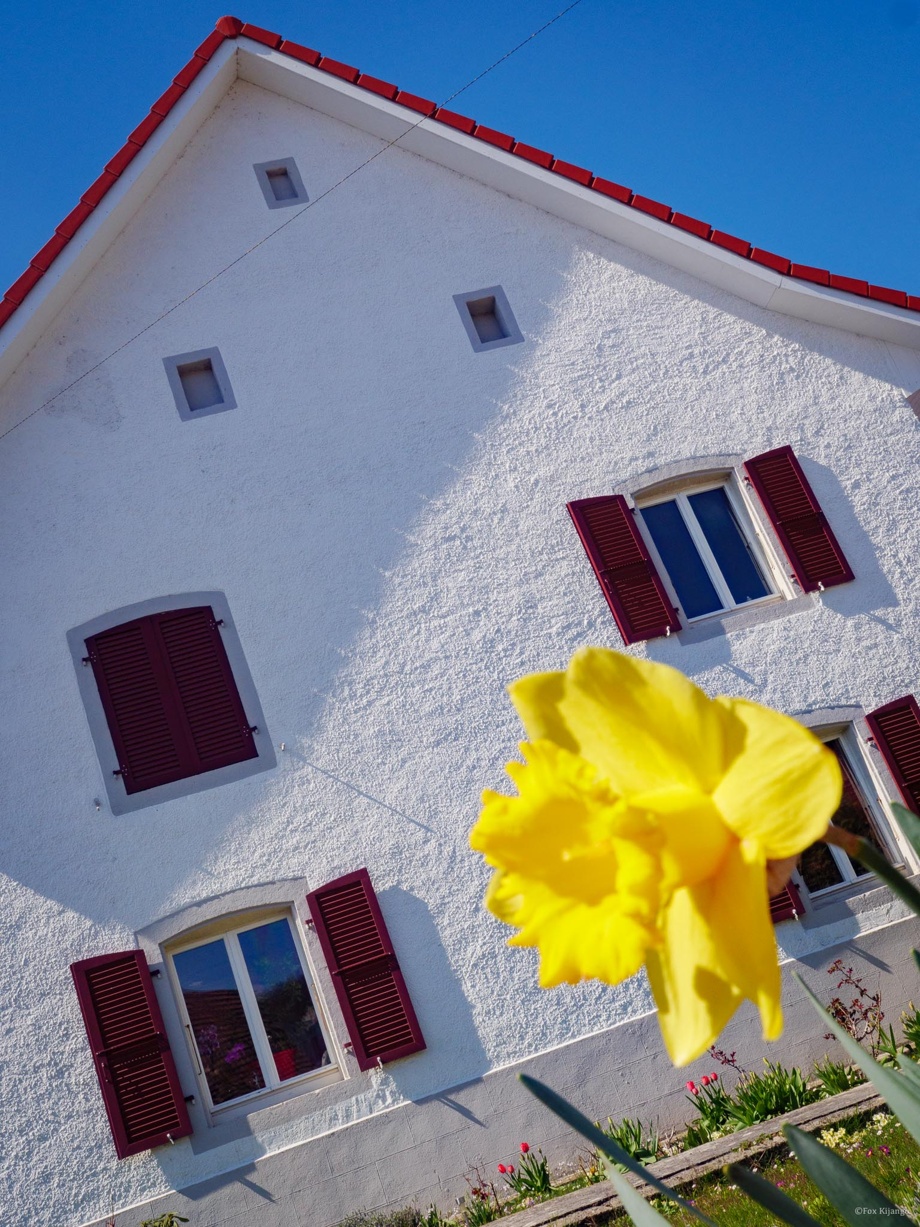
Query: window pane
pixel 681 559
pixel 285 1005
pixel 727 542
pixel 219 1025
pixel 852 814
pixel 818 868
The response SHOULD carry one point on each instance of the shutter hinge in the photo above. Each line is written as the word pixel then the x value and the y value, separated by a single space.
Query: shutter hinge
pixel 251 728
pixel 87 660
pixel 155 971
pixel 190 1099
pixel 311 923
pixel 122 771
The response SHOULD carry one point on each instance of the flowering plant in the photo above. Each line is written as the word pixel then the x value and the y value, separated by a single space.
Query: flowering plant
pixel 650 827
pixel 532 1178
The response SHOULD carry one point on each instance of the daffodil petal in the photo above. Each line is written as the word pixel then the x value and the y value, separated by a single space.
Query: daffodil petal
pixel 643 725
pixel 719 948
pixel 783 787
pixel 577 941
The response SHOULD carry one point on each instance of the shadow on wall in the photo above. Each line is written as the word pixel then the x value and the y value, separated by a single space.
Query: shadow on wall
pixel 454 1053
pixel 353 484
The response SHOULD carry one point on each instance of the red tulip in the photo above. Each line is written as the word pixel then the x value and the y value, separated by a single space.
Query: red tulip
pixel 713 1077
pixel 511 1168
pixel 502 1168
pixel 696 1090
pixel 705 1080
pixel 524 1148
pixel 691 1087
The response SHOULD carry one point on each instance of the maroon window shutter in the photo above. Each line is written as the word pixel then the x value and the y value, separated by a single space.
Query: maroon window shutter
pixel 136 1071
pixel 815 557
pixel 368 983
pixel 896 729
pixel 169 697
pixel 632 586
pixel 786 904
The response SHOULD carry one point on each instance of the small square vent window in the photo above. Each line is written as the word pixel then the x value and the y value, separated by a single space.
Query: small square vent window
pixel 281 183
pixel 488 318
pixel 199 383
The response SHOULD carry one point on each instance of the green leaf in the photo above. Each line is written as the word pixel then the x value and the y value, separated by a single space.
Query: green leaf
pixel 910 1069
pixel 869 856
pixel 635 1205
pixel 606 1145
pixel 845 1188
pixel 909 823
pixel 896 1089
pixel 769 1196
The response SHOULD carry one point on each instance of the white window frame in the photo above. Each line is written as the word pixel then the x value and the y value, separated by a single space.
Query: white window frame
pixel 769 568
pixel 274 1091
pixel 871 792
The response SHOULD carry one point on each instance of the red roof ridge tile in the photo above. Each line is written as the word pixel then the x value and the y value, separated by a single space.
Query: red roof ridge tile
pixel 232 27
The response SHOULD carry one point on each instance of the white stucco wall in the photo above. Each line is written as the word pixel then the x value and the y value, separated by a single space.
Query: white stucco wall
pixel 385 513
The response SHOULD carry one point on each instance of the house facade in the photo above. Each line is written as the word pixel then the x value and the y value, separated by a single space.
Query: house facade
pixel 300 468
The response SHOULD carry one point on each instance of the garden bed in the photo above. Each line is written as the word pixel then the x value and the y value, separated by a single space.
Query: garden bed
pixel 597 1201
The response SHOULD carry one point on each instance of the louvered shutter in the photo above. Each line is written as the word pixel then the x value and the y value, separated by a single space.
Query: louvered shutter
pixel 629 581
pixel 136 1071
pixel 786 904
pixel 368 982
pixel 896 729
pixel 169 697
pixel 804 533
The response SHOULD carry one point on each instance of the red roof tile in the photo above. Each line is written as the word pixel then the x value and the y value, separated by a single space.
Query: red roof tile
pixel 232 27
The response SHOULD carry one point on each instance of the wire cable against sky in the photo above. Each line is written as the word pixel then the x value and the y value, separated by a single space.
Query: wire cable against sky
pixel 300 212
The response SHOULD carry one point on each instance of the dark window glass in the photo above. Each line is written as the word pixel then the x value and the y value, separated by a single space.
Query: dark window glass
pixel 219 1025
pixel 681 559
pixel 720 528
pixel 287 1010
pixel 817 866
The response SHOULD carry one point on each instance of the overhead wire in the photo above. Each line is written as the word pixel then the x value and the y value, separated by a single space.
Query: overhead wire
pixel 293 218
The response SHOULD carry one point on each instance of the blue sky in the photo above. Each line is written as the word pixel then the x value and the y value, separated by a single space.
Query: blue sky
pixel 793 125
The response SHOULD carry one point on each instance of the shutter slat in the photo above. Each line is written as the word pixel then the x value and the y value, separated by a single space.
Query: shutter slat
pixel 896 729
pixel 629 581
pixel 205 687
pixel 136 1072
pixel 786 904
pixel 169 697
pixel 368 982
pixel 801 526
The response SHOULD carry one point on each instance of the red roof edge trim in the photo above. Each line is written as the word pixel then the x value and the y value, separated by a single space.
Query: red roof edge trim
pixel 730 243
pixel 454 120
pixel 232 27
pixel 691 224
pixel 21 286
pixel 779 264
pixel 881 293
pixel 210 45
pixel 615 190
pixel 820 276
pixel 258 35
pixel 188 74
pixel 384 88
pixel 338 69
pixel 571 171
pixel 850 285
pixel 51 250
pixel 653 207
pixel 298 52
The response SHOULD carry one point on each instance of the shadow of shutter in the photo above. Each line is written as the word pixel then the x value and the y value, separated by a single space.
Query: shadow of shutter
pixel 801 526
pixel 368 982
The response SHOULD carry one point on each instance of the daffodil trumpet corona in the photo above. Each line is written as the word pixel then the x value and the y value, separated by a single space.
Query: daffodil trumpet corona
pixel 650 826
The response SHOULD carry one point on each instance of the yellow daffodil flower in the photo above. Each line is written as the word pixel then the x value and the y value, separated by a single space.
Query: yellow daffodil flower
pixel 646 815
